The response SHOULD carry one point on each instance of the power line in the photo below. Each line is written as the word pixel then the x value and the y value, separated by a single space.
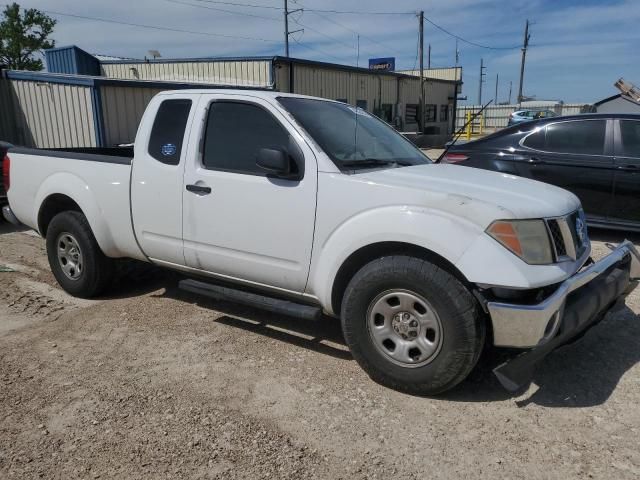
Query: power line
pixel 362 12
pixel 355 32
pixel 346 12
pixel 156 27
pixel 316 50
pixel 468 41
pixel 244 14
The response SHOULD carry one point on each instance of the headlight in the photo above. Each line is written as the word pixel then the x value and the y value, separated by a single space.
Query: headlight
pixel 528 239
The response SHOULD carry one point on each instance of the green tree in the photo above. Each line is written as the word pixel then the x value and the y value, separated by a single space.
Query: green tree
pixel 23 35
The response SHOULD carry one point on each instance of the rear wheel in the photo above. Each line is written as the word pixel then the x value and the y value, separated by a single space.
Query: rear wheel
pixel 75 257
pixel 411 325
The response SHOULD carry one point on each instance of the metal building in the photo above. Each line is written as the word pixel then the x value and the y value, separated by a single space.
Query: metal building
pixel 51 110
pixel 85 100
pixel 394 96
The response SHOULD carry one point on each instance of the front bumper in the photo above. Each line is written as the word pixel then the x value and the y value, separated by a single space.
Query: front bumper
pixel 577 304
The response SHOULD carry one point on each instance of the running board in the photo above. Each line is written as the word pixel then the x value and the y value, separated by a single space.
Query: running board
pixel 270 304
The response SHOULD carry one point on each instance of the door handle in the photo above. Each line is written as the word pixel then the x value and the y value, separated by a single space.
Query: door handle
pixel 536 161
pixel 629 168
pixel 199 189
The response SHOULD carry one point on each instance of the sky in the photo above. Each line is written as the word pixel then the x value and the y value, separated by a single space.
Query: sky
pixel 578 48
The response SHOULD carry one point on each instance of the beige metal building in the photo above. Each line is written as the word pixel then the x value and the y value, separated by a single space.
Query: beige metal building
pixel 393 96
pixel 86 101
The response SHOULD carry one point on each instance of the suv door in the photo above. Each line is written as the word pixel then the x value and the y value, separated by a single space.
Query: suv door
pixel 626 206
pixel 239 222
pixel 576 155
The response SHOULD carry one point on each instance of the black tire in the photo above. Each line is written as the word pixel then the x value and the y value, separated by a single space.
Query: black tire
pixel 97 269
pixel 461 323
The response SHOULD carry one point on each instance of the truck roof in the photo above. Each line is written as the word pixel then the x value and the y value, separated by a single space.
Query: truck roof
pixel 255 92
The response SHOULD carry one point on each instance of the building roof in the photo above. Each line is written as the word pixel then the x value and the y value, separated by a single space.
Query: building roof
pixel 95 81
pixel 614 97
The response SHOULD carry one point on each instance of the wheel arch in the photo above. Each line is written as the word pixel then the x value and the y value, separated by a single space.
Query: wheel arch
pixel 374 251
pixel 53 205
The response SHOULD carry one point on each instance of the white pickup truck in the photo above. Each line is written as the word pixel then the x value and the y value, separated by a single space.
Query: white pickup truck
pixel 302 206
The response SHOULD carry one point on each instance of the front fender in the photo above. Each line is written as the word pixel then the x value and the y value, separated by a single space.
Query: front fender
pixel 440 232
pixel 79 191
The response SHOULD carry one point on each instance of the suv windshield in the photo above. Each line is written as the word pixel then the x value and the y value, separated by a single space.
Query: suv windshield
pixel 351 137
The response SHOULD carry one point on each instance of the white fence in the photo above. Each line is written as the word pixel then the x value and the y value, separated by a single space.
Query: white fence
pixel 497 116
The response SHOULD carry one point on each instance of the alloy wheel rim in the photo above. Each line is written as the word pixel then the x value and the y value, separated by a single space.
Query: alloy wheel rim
pixel 405 328
pixel 70 256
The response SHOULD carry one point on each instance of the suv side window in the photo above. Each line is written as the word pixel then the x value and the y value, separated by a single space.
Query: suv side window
pixel 535 140
pixel 236 132
pixel 578 137
pixel 630 132
pixel 167 133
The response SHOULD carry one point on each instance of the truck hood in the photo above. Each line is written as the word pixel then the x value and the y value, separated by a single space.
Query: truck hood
pixel 480 195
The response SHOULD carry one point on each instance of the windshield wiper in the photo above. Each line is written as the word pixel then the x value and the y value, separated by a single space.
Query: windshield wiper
pixel 374 162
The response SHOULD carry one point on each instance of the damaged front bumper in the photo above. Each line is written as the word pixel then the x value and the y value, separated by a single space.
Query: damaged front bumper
pixel 578 303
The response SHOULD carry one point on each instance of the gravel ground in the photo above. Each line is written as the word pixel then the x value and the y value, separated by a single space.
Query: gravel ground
pixel 152 382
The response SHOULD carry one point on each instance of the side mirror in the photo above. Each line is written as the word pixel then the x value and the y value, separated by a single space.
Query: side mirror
pixel 275 161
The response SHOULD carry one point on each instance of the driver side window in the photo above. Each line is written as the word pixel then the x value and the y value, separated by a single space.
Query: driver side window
pixel 235 134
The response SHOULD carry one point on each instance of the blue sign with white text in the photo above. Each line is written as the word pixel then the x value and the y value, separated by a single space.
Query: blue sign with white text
pixel 386 64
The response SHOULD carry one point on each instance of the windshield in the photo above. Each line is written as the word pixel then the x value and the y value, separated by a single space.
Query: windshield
pixel 351 137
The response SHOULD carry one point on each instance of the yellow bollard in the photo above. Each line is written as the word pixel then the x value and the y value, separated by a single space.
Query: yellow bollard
pixel 468 121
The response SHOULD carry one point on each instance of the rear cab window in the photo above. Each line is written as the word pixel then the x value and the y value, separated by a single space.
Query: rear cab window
pixel 167 133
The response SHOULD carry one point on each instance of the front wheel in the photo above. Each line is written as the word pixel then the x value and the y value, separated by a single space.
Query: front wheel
pixel 411 325
pixel 75 257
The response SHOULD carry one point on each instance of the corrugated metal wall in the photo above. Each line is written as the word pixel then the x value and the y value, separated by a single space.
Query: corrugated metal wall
pixel 122 109
pixel 444 73
pixel 344 85
pixel 46 115
pixel 241 73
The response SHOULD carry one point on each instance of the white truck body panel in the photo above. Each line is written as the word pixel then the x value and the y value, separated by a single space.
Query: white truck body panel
pixel 100 189
pixel 292 238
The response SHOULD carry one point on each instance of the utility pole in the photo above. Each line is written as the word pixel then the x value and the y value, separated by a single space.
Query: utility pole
pixel 429 57
pixel 524 54
pixel 286 28
pixel 288 12
pixel 495 99
pixel 510 87
pixel 358 52
pixel 481 81
pixel 457 53
pixel 421 119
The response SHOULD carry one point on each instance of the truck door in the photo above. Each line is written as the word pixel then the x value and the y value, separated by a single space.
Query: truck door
pixel 240 223
pixel 156 177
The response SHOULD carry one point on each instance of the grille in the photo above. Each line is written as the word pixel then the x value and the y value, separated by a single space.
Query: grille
pixel 569 235
pixel 556 237
pixel 579 243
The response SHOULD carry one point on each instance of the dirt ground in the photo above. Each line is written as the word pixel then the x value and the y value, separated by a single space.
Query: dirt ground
pixel 154 383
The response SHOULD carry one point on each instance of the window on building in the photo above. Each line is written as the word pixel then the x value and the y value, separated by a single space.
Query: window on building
pixel 630 131
pixel 444 113
pixel 430 112
pixel 385 112
pixel 167 133
pixel 236 132
pixel 411 113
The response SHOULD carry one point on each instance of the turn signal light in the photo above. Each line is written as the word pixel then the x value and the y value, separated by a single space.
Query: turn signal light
pixel 6 164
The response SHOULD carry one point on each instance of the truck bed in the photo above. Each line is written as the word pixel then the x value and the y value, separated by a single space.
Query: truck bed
pixel 121 155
